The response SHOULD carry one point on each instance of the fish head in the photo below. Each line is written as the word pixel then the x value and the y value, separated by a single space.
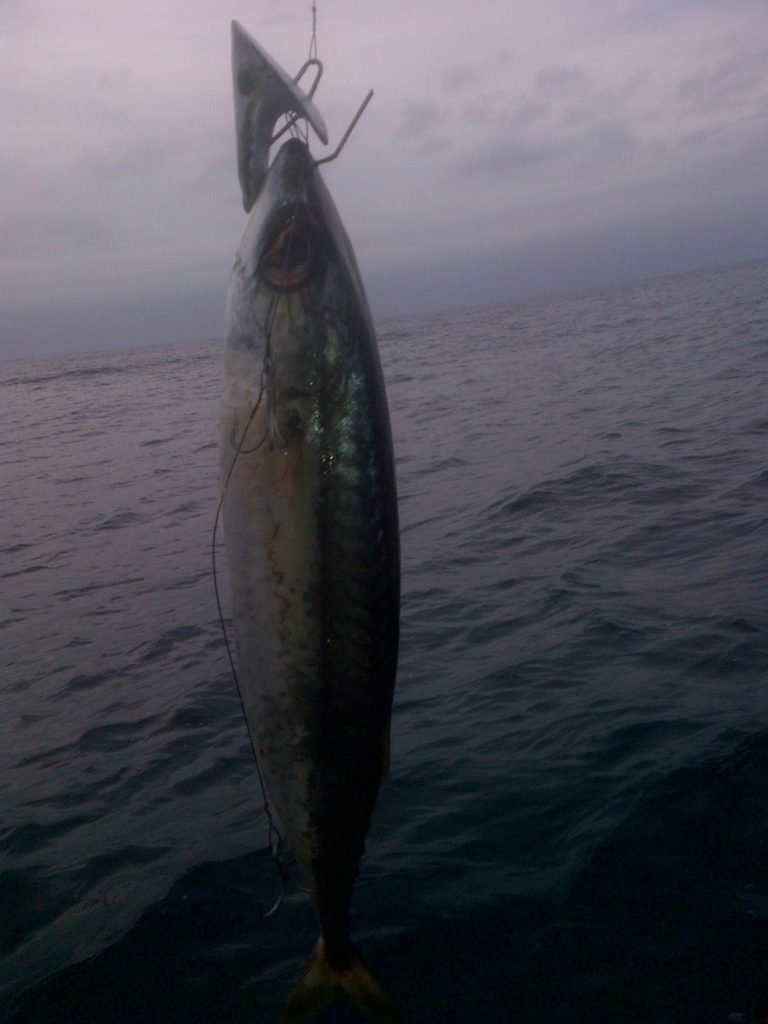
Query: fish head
pixel 291 245
pixel 295 281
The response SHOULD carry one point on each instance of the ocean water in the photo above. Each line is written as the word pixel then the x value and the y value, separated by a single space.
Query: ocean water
pixel 576 822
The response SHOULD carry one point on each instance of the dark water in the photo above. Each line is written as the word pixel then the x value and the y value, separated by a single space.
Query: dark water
pixel 576 823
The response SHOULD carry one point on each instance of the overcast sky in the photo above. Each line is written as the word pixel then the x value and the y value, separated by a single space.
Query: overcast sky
pixel 512 148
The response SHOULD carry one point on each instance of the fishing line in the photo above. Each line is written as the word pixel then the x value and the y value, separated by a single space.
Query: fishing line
pixel 294 123
pixel 266 386
pixel 313 40
pixel 312 57
pixel 266 382
pixel 275 838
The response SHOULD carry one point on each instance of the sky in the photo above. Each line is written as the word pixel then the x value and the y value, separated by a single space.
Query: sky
pixel 511 149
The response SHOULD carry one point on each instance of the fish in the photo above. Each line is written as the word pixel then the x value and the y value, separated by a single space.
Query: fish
pixel 310 523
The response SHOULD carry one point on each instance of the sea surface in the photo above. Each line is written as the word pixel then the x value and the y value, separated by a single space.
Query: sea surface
pixel 575 827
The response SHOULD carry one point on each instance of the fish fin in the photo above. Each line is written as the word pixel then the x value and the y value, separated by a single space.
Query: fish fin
pixel 322 983
pixel 365 991
pixel 263 93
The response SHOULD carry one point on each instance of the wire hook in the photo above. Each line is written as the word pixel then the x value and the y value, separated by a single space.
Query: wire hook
pixel 348 132
pixel 308 64
pixel 297 78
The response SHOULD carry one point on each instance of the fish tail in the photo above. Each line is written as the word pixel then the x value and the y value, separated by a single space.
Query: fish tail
pixel 322 983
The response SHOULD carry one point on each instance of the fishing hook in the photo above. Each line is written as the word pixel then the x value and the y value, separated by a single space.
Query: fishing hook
pixel 348 132
pixel 313 61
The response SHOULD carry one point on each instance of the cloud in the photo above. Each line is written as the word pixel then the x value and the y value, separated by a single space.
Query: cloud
pixel 529 112
pixel 485 137
pixel 514 158
pixel 124 158
pixel 558 82
pixel 418 119
pixel 560 124
pixel 509 158
pixel 28 237
pixel 728 84
pixel 457 78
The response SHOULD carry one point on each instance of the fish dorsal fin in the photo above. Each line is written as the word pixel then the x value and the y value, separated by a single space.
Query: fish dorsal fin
pixel 263 93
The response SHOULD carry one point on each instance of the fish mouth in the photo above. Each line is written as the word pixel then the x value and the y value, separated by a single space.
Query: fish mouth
pixel 293 167
pixel 291 253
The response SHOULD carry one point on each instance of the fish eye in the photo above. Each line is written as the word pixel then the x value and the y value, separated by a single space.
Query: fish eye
pixel 288 260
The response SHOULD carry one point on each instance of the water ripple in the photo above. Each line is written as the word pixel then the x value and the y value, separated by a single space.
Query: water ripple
pixel 579 752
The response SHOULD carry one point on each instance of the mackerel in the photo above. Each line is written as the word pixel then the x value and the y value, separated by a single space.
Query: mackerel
pixel 310 525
